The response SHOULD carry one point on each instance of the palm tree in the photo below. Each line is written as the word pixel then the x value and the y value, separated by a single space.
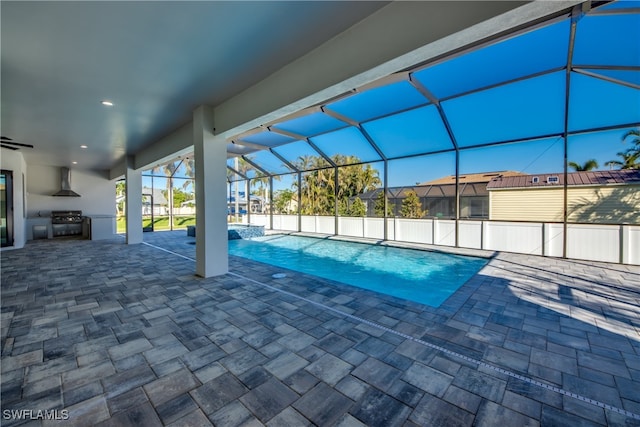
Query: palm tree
pixel 629 160
pixel 318 187
pixel 587 166
pixel 243 167
pixel 261 181
pixel 635 133
pixel 189 171
pixel 168 169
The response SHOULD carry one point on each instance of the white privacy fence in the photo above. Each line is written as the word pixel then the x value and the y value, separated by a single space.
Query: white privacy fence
pixel 594 242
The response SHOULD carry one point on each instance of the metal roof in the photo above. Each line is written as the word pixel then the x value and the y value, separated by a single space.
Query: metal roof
pixel 588 178
pixel 472 178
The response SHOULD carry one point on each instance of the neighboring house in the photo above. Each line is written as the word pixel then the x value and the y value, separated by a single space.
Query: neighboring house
pixel 474 197
pixel 438 197
pixel 594 196
pixel 289 208
pixel 160 204
pixel 257 204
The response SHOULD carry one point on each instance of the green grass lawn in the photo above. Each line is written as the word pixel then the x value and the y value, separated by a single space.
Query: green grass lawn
pixel 159 223
pixel 121 224
pixel 183 221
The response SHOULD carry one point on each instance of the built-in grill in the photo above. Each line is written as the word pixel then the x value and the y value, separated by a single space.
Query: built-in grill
pixel 67 223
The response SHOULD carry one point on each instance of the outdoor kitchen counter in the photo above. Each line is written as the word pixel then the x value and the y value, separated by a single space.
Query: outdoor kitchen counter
pixel 102 226
pixel 39 222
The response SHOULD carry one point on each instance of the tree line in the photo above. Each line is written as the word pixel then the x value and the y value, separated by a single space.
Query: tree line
pixel 322 194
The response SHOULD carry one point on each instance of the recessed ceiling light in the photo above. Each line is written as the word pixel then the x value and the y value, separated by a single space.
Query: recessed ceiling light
pixel 75 163
pixel 107 103
pixel 83 146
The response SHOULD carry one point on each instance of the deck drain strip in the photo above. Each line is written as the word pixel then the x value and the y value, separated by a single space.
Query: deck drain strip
pixel 430 345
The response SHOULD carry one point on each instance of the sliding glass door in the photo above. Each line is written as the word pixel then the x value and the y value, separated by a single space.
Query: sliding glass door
pixel 6 207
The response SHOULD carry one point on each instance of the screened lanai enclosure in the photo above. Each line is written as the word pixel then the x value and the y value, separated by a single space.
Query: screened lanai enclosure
pixel 528 142
pixel 168 197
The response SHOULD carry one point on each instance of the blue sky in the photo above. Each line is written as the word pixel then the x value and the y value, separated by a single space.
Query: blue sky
pixel 530 106
pixel 532 157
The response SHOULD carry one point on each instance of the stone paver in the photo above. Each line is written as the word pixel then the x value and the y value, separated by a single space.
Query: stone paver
pixel 323 405
pixel 329 369
pixel 122 335
pixel 171 386
pixel 269 399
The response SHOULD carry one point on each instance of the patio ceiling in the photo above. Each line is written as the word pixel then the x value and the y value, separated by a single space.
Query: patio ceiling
pixel 155 60
pixel 575 74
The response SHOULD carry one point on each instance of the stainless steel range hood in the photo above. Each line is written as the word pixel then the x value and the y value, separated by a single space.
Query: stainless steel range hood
pixel 65 184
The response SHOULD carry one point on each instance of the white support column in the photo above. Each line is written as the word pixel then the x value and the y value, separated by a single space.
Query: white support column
pixel 212 258
pixel 133 210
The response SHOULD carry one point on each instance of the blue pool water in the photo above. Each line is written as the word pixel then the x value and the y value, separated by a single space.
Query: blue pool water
pixel 421 276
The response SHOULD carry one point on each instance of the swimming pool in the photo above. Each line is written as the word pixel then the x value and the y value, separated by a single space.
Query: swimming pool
pixel 421 276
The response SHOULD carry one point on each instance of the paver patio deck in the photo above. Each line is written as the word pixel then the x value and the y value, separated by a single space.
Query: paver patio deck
pixel 122 335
